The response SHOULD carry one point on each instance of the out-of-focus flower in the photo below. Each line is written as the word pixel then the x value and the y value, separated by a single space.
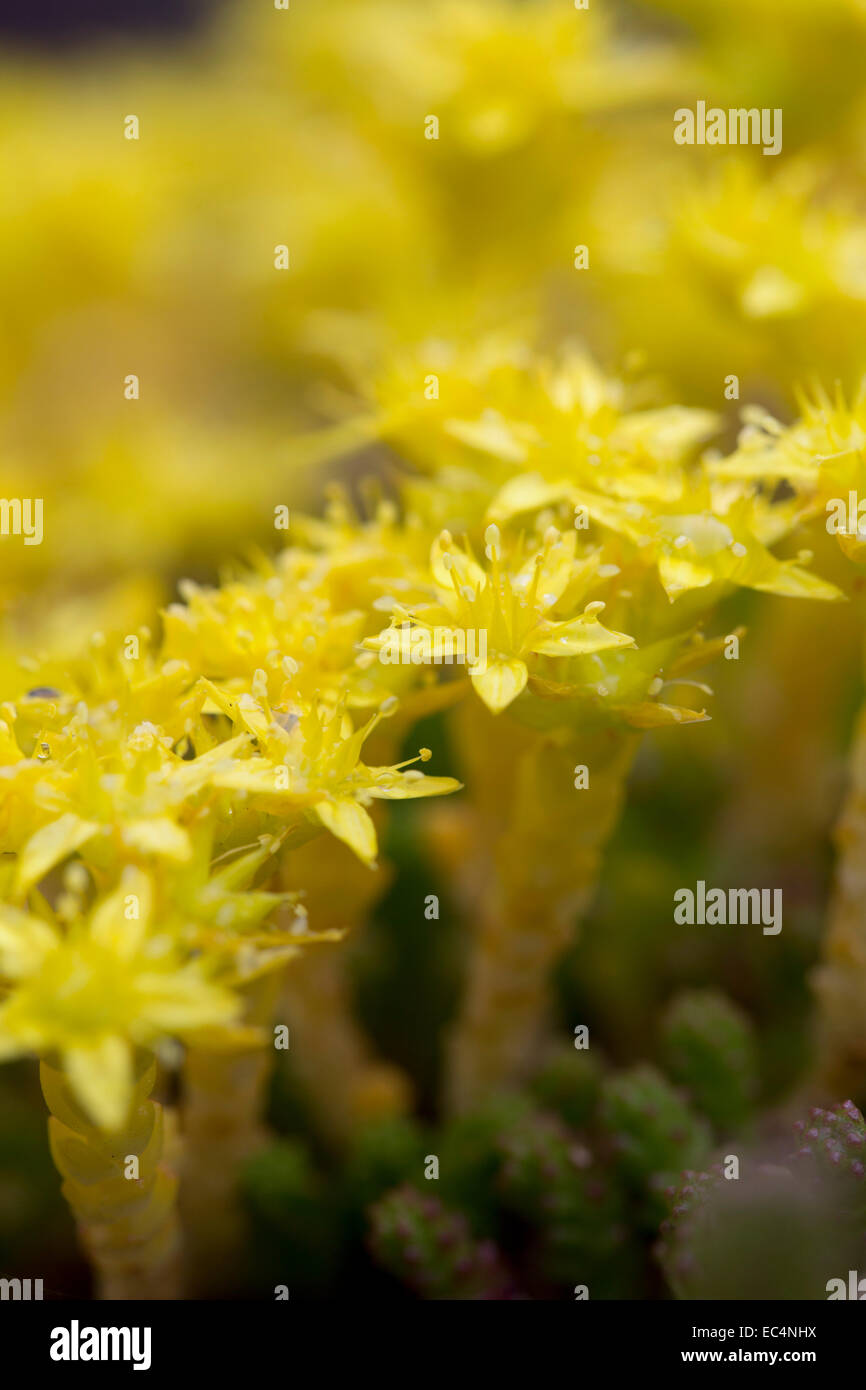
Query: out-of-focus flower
pixel 98 985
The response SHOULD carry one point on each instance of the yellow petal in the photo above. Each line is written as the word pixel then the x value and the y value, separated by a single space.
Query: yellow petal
pixel 391 785
pixel 199 771
pixel 792 581
pixel 242 709
pixel 552 573
pixel 490 435
pixel 184 1000
pixel 256 775
pixel 500 683
pixel 678 574
pixel 24 943
pixel 757 568
pixel 102 1078
pixel 770 293
pixel 525 493
pixel 649 714
pixel 158 835
pixel 120 921
pixel 48 846
pixel 580 636
pixel 459 569
pixel 671 432
pixel 351 824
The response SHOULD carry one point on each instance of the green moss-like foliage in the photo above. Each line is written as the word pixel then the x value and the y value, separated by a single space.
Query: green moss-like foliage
pixel 471 1158
pixel 430 1248
pixel 576 1215
pixel 775 1231
pixel 708 1048
pixel 568 1084
pixel 833 1151
pixel 653 1135
pixel 579 1179
pixel 383 1154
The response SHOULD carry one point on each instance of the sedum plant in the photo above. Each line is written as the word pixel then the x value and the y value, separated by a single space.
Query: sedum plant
pixel 709 1050
pixel 551 1191
pixel 432 1250
pixel 148 814
pixel 769 254
pixel 191 812
pixel 572 498
pixel 789 1229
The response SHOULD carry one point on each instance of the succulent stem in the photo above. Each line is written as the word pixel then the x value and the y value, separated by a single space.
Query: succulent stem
pixel 344 1081
pixel 224 1096
pixel 840 981
pixel 126 1211
pixel 541 845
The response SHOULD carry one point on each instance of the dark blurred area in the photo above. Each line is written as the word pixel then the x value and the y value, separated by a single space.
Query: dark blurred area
pixel 58 23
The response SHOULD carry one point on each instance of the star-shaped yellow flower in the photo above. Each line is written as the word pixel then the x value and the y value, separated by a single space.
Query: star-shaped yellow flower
pixel 111 981
pixel 502 617
pixel 308 767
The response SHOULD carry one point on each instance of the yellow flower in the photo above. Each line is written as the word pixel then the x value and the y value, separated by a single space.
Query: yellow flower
pixel 308 767
pixel 299 618
pixel 820 458
pixel 95 991
pixel 496 72
pixel 120 796
pixel 711 538
pixel 502 619
pixel 515 432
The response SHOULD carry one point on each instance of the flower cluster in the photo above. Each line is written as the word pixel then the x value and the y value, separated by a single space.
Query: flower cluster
pixel 428 330
pixel 147 806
